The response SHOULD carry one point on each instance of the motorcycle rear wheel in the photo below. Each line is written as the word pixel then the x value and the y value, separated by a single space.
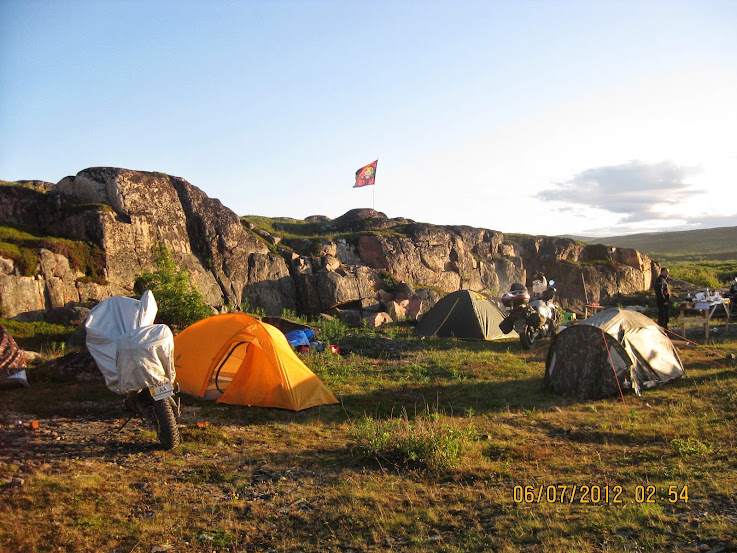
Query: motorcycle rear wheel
pixel 166 423
pixel 528 338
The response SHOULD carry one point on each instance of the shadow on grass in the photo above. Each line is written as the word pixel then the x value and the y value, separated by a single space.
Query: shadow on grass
pixel 53 395
pixel 457 399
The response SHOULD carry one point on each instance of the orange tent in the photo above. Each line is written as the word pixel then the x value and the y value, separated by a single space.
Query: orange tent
pixel 240 360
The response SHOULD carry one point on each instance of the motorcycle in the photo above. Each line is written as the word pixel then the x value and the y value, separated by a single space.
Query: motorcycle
pixel 158 407
pixel 136 357
pixel 533 317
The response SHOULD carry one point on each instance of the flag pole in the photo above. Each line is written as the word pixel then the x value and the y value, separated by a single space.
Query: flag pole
pixel 373 192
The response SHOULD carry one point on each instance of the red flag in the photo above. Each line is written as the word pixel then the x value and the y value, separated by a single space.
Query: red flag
pixel 366 175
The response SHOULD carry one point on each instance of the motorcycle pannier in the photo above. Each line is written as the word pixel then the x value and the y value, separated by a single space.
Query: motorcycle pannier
pixel 536 320
pixel 506 325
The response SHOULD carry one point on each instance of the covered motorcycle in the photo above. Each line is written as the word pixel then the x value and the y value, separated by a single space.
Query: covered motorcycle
pixel 136 357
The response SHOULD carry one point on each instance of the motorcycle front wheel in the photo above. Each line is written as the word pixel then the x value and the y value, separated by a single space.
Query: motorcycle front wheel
pixel 166 423
pixel 528 338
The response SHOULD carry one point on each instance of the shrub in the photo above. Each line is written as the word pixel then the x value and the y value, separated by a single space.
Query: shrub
pixel 424 442
pixel 390 281
pixel 332 329
pixel 701 276
pixel 179 302
pixel 247 308
pixel 689 447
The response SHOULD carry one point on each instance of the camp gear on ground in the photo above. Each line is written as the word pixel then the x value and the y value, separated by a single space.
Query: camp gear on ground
pixel 237 359
pixel 12 362
pixel 463 314
pixel 136 357
pixel 299 337
pixel 612 352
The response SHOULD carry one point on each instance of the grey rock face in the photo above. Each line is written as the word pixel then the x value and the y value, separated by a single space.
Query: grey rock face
pixel 127 213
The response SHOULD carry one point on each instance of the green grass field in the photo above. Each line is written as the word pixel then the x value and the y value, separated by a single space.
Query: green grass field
pixel 488 461
pixel 706 257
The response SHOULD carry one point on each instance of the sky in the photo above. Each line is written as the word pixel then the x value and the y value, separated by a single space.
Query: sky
pixel 591 118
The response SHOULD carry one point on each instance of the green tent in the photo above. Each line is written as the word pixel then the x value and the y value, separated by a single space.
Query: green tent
pixel 464 314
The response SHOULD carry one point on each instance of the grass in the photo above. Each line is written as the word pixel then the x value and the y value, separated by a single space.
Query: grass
pixel 361 476
pixel 693 245
pixel 38 336
pixel 304 237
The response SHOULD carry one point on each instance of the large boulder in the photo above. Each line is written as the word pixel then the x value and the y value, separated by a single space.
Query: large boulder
pixel 127 213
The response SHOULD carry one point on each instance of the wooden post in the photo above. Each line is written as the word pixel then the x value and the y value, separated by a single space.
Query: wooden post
pixel 585 292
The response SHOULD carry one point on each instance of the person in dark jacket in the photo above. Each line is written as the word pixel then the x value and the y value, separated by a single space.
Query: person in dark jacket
pixel 662 298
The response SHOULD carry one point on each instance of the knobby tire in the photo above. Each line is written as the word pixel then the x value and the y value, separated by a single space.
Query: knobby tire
pixel 166 423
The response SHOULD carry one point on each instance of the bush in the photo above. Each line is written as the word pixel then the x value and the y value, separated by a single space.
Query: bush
pixel 689 447
pixel 179 302
pixel 424 442
pixel 696 274
pixel 247 308
pixel 332 330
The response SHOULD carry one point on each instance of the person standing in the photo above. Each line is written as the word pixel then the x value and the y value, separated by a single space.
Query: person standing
pixel 662 298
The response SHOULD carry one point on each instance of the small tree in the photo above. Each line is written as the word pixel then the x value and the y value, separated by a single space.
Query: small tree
pixel 179 302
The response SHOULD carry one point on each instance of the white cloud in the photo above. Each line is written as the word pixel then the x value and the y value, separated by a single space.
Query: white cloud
pixel 636 191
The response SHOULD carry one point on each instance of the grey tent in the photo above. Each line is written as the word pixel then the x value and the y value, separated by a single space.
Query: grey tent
pixel 616 349
pixel 463 314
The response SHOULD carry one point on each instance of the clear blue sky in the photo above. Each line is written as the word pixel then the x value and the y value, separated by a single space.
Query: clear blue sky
pixel 545 117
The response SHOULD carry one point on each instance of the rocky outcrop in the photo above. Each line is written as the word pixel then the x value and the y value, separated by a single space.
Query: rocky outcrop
pixel 127 213
pixel 445 259
pixel 372 264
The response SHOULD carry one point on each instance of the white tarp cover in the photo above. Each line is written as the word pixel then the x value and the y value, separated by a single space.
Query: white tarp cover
pixel 130 351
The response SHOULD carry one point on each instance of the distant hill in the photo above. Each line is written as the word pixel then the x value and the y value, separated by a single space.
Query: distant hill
pixel 715 244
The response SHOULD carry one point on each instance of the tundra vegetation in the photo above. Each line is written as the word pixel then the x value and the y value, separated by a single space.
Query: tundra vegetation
pixel 706 257
pixel 439 445
pixel 23 245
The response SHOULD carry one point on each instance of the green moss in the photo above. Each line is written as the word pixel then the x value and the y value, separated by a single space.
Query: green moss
pixel 28 185
pixel 71 208
pixel 285 227
pixel 23 248
pixel 437 289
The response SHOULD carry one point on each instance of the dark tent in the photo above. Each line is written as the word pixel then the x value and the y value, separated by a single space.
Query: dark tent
pixel 464 314
pixel 612 351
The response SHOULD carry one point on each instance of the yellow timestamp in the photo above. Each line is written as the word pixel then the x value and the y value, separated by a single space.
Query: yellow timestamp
pixel 594 494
